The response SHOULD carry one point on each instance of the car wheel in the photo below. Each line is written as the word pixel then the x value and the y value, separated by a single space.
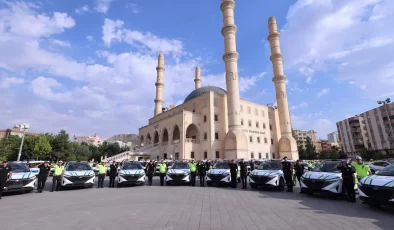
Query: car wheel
pixel 281 184
pixel 28 191
pixel 209 183
pixel 118 185
pixel 90 186
pixel 374 205
pixel 253 186
pixel 168 183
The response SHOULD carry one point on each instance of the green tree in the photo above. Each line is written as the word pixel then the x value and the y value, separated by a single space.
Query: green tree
pixel 301 152
pixel 42 147
pixel 310 149
pixel 83 152
pixel 60 145
pixel 28 147
pixel 9 147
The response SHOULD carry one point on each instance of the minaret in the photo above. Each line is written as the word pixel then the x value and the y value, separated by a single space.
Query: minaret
pixel 287 144
pixel 235 142
pixel 159 85
pixel 197 78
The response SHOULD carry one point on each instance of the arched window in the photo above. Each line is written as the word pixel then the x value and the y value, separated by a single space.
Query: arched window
pixel 259 155
pixel 165 137
pixel 156 139
pixel 176 135
pixel 252 155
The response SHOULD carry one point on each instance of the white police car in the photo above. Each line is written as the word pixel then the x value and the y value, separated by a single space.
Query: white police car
pixel 131 173
pixel 78 174
pixel 178 173
pixel 268 174
pixel 220 174
pixel 22 178
pixel 324 178
pixel 378 189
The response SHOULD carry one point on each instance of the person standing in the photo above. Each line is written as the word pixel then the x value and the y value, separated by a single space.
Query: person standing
pixel 252 166
pixel 113 172
pixel 202 169
pixel 233 173
pixel 193 173
pixel 362 170
pixel 299 171
pixel 5 176
pixel 309 166
pixel 42 175
pixel 57 176
pixel 162 171
pixel 101 176
pixel 150 171
pixel 287 169
pixel 348 180
pixel 244 173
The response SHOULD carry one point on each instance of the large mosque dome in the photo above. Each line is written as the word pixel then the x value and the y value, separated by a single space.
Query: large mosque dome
pixel 200 91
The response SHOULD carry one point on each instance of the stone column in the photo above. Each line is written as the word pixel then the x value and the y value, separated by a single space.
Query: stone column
pixel 197 78
pixel 159 85
pixel 235 143
pixel 287 144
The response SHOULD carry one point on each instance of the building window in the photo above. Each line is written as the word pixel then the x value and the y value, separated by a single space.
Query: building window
pixel 265 140
pixel 176 156
pixel 216 117
pixel 259 155
pixel 257 124
pixel 258 139
pixel 262 113
pixel 263 125
pixel 270 127
pixel 248 110
pixel 205 118
pixel 165 155
pixel 205 155
pixel 272 141
pixel 252 155
pixel 250 123
pixel 242 121
pixel 250 139
pixel 266 155
pixel 192 155
pixel 242 108
pixel 217 155
pixel 273 155
pixel 256 112
pixel 205 136
pixel 216 136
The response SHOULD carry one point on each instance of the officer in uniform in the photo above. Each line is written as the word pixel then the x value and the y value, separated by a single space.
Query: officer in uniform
pixel 233 173
pixel 362 170
pixel 299 171
pixel 57 176
pixel 244 173
pixel 162 171
pixel 193 173
pixel 5 175
pixel 202 169
pixel 42 176
pixel 348 180
pixel 150 171
pixel 113 171
pixel 287 169
pixel 101 175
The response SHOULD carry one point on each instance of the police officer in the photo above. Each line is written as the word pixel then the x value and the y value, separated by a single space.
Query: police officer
pixel 57 176
pixel 348 172
pixel 113 171
pixel 233 173
pixel 202 169
pixel 299 171
pixel 362 170
pixel 244 173
pixel 5 175
pixel 193 173
pixel 101 176
pixel 162 171
pixel 252 166
pixel 309 166
pixel 287 169
pixel 150 171
pixel 42 176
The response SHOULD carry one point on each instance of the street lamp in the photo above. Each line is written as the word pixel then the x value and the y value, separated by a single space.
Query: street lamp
pixel 24 127
pixel 385 102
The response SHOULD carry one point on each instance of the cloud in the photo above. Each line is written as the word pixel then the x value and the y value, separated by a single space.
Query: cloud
pixel 89 38
pixel 342 48
pixel 134 8
pixel 60 43
pixel 102 6
pixel 322 126
pixel 299 106
pixel 323 92
pixel 10 81
pixel 82 9
pixel 309 80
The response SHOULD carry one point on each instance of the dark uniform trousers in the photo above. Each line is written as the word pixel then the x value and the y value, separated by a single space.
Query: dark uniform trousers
pixel 42 179
pixel 202 179
pixel 289 181
pixel 233 179
pixel 348 185
pixel 150 177
pixel 100 183
pixel 56 182
pixel 112 181
pixel 193 178
pixel 2 185
pixel 244 180
pixel 162 179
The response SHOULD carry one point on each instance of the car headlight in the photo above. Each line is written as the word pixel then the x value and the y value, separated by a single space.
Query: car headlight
pixel 272 176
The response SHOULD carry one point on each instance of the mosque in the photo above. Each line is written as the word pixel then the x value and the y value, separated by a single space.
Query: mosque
pixel 213 123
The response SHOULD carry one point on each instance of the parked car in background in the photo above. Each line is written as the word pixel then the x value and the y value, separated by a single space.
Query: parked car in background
pixel 376 166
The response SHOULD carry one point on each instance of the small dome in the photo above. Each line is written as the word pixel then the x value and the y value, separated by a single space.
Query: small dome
pixel 200 91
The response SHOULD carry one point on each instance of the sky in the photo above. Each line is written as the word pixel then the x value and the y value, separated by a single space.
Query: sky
pixel 88 66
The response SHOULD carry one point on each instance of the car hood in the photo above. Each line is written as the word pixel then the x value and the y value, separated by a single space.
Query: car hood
pixel 218 171
pixel 131 171
pixel 321 175
pixel 385 181
pixel 266 172
pixel 35 170
pixel 178 171
pixel 22 175
pixel 79 173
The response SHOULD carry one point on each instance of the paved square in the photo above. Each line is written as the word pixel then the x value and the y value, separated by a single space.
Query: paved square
pixel 183 207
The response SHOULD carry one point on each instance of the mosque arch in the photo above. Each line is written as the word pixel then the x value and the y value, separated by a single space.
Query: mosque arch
pixel 148 139
pixel 192 132
pixel 156 138
pixel 142 139
pixel 165 135
pixel 176 134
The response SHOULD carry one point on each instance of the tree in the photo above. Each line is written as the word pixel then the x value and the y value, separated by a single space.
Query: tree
pixel 302 153
pixel 310 149
pixel 28 147
pixel 83 152
pixel 60 145
pixel 9 147
pixel 42 147
pixel 329 154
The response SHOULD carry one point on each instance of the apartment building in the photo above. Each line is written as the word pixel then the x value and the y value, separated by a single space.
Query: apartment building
pixel 370 130
pixel 301 137
pixel 333 137
pixel 17 132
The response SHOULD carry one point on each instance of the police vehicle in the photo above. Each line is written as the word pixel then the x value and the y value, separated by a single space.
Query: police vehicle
pixel 324 178
pixel 22 178
pixel 178 173
pixel 78 174
pixel 131 172
pixel 378 189
pixel 376 166
pixel 268 174
pixel 220 174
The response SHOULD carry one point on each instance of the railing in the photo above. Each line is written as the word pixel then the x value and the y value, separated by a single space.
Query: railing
pixel 191 140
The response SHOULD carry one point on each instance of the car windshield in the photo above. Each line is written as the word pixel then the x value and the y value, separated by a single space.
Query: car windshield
pixel 269 166
pixel 221 165
pixel 78 166
pixel 170 163
pixel 18 168
pixel 180 166
pixel 327 167
pixel 131 166
pixel 387 171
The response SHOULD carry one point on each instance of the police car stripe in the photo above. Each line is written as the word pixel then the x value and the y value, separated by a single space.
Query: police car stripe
pixel 389 184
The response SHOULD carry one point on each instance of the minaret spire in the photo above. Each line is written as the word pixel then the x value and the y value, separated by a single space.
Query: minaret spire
pixel 287 144
pixel 197 78
pixel 159 85
pixel 235 142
